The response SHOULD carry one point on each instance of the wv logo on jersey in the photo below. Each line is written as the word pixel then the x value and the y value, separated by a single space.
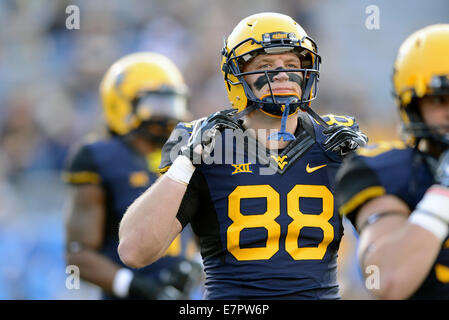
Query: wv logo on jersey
pixel 280 161
pixel 242 168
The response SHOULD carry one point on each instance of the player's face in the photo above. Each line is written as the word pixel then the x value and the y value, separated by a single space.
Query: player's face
pixel 435 111
pixel 281 82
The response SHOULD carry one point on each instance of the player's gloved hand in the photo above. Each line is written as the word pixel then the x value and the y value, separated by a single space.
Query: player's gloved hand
pixel 183 276
pixel 144 288
pixel 202 139
pixel 201 142
pixel 442 172
pixel 170 293
pixel 343 139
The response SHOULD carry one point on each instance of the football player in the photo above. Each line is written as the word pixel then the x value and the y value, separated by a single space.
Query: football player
pixel 397 194
pixel 262 236
pixel 143 97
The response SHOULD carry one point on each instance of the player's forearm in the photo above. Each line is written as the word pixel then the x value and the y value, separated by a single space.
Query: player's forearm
pixel 403 259
pixel 150 223
pixel 94 267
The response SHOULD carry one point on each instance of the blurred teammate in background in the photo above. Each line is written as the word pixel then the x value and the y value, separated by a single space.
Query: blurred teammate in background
pixel 397 194
pixel 264 234
pixel 143 97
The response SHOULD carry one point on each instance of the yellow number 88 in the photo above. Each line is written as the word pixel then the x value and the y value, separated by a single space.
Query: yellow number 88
pixel 267 220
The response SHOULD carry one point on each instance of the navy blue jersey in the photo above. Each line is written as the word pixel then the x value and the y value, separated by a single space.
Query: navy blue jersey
pixel 124 175
pixel 393 168
pixel 267 236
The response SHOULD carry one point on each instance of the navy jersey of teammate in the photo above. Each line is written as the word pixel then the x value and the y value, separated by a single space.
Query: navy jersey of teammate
pixel 397 194
pixel 380 170
pixel 143 97
pixel 270 236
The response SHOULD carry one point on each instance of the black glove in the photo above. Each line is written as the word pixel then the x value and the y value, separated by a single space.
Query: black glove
pixel 144 288
pixel 343 139
pixel 183 276
pixel 202 139
pixel 442 172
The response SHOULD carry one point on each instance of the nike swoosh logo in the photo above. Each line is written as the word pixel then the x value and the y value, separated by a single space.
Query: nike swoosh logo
pixel 310 170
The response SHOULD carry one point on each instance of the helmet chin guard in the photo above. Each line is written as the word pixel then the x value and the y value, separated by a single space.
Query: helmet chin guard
pixel 275 104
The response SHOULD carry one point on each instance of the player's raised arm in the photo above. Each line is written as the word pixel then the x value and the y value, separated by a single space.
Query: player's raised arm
pixel 150 225
pixel 154 219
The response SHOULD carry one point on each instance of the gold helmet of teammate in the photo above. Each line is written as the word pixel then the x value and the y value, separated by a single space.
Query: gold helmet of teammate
pixel 421 69
pixel 270 33
pixel 143 93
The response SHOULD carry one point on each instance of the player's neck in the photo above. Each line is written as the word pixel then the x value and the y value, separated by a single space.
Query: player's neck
pixel 264 125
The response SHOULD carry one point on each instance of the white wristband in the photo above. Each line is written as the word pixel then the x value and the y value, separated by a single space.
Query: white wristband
pixel 181 170
pixel 432 212
pixel 430 223
pixel 122 281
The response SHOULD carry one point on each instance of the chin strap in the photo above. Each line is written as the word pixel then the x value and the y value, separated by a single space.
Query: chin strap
pixel 315 116
pixel 305 106
pixel 244 112
pixel 283 134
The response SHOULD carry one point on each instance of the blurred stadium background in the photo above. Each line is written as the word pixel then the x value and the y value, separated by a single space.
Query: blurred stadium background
pixel 49 79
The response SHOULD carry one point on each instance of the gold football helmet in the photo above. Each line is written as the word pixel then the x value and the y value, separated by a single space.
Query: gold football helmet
pixel 142 89
pixel 421 69
pixel 270 33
